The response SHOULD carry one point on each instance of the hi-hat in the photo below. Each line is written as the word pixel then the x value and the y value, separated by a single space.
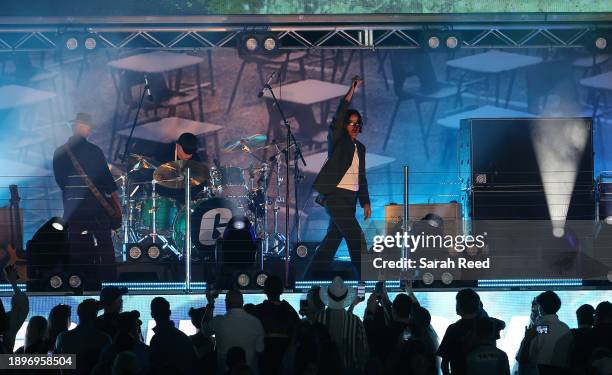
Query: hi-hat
pixel 252 141
pixel 171 174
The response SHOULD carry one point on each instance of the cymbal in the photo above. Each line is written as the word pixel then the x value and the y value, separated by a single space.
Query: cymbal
pixel 140 162
pixel 252 141
pixel 170 174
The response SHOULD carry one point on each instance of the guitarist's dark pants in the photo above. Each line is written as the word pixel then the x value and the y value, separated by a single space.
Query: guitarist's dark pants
pixel 91 248
pixel 341 207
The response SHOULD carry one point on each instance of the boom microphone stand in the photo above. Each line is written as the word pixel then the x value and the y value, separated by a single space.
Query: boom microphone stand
pixel 298 154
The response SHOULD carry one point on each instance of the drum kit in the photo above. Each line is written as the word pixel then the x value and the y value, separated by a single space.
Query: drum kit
pixel 153 197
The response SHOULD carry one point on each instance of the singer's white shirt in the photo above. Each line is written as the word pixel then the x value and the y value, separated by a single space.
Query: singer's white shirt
pixel 350 180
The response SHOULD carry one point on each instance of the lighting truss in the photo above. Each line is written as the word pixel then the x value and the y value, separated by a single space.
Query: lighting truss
pixel 389 32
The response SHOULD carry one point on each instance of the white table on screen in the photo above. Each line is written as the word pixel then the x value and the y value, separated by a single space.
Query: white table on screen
pixel 168 130
pixel 162 62
pixel 495 63
pixel 15 96
pixel 298 98
pixel 315 162
pixel 487 111
pixel 599 84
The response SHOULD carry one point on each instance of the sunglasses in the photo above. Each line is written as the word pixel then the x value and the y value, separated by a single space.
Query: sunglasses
pixel 354 123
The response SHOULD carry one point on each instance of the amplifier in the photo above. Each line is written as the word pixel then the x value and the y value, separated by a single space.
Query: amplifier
pixel 449 212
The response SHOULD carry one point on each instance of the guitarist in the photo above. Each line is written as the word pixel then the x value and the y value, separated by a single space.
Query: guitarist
pixel 91 201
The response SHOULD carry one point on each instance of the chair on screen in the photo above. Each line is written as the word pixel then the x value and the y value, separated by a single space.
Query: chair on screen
pixel 417 63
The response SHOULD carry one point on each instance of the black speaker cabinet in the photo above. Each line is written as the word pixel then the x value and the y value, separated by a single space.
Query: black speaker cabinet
pixel 522 168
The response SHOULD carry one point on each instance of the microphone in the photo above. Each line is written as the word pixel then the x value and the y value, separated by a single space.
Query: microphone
pixel 261 92
pixel 147 89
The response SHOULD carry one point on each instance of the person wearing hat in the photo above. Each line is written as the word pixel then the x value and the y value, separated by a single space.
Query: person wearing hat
pixel 185 148
pixel 89 224
pixel 86 341
pixel 112 302
pixel 345 328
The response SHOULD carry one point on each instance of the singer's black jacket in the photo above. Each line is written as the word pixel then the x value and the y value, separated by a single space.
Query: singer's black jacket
pixel 340 149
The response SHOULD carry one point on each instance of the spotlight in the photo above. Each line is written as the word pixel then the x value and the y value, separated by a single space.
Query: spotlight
pixel 153 252
pixel 243 280
pixel 428 278
pixel 134 252
pixel 75 281
pixel 57 225
pixel 608 220
pixel 269 44
pixel 598 41
pixel 258 42
pixel 55 282
pixel 71 43
pixel 251 44
pixel 452 42
pixel 433 42
pixel 301 251
pixel 447 278
pixel 90 43
pixel 260 279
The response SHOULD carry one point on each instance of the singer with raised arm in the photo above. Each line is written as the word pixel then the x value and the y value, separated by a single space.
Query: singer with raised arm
pixel 341 183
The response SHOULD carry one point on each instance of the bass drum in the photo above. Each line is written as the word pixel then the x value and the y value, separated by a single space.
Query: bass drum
pixel 209 218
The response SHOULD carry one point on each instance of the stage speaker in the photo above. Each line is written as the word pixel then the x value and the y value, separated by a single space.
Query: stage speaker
pixel 449 212
pixel 523 168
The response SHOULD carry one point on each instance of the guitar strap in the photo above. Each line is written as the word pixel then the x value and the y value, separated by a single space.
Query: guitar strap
pixel 94 190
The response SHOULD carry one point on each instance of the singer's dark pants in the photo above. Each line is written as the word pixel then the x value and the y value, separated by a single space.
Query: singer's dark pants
pixel 341 207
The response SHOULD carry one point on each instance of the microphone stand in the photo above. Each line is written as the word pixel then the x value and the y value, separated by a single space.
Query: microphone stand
pixel 129 140
pixel 298 154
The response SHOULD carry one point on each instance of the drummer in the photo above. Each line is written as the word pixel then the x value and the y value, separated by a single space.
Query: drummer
pixel 186 148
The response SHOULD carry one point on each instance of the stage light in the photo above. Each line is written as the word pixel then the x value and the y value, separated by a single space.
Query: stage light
pixel 90 43
pixel 433 42
pixel 601 43
pixel 608 220
pixel 71 43
pixel 447 278
pixel 301 251
pixel 55 282
pixel 258 42
pixel 260 279
pixel 428 278
pixel 243 280
pixel 153 252
pixel 452 42
pixel 75 281
pixel 56 223
pixel 134 252
pixel 251 44
pixel 609 276
pixel 269 44
pixel 239 224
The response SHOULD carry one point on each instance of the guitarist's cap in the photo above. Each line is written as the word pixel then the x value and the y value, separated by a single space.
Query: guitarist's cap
pixel 83 118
